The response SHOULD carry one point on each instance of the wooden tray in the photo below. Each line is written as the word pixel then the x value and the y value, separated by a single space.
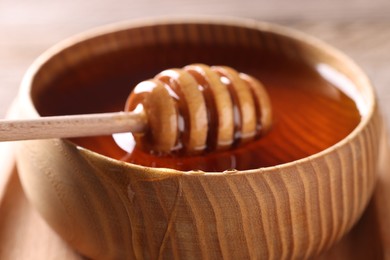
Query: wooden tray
pixel 25 235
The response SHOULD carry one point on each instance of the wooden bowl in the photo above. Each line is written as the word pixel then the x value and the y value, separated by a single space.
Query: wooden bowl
pixel 108 209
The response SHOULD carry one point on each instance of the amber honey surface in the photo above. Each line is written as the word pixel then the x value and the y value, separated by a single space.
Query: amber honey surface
pixel 309 112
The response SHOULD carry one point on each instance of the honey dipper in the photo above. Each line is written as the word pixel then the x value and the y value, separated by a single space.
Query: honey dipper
pixel 190 109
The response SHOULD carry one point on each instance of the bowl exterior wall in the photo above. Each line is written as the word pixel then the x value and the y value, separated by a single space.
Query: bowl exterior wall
pixel 108 210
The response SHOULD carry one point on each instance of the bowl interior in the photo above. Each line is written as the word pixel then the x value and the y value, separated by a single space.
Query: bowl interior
pixel 96 74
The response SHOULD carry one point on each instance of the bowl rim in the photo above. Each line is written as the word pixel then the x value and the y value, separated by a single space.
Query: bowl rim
pixel 24 96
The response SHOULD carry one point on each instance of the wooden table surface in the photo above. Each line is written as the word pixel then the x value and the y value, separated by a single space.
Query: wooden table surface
pixel 360 28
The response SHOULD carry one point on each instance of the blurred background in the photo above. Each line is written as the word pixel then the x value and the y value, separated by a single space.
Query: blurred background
pixel 360 28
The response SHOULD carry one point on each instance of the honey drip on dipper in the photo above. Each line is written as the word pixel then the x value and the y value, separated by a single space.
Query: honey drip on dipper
pixel 200 108
pixel 188 111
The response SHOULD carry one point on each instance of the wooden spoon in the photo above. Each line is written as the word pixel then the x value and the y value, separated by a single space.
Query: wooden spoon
pixel 191 109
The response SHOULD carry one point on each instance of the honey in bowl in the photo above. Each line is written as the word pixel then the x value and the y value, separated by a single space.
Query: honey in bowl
pixel 122 210
pixel 311 112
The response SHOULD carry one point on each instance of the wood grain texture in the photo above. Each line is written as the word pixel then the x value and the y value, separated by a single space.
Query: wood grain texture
pixel 360 28
pixel 295 210
pixel 71 126
pixel 20 222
